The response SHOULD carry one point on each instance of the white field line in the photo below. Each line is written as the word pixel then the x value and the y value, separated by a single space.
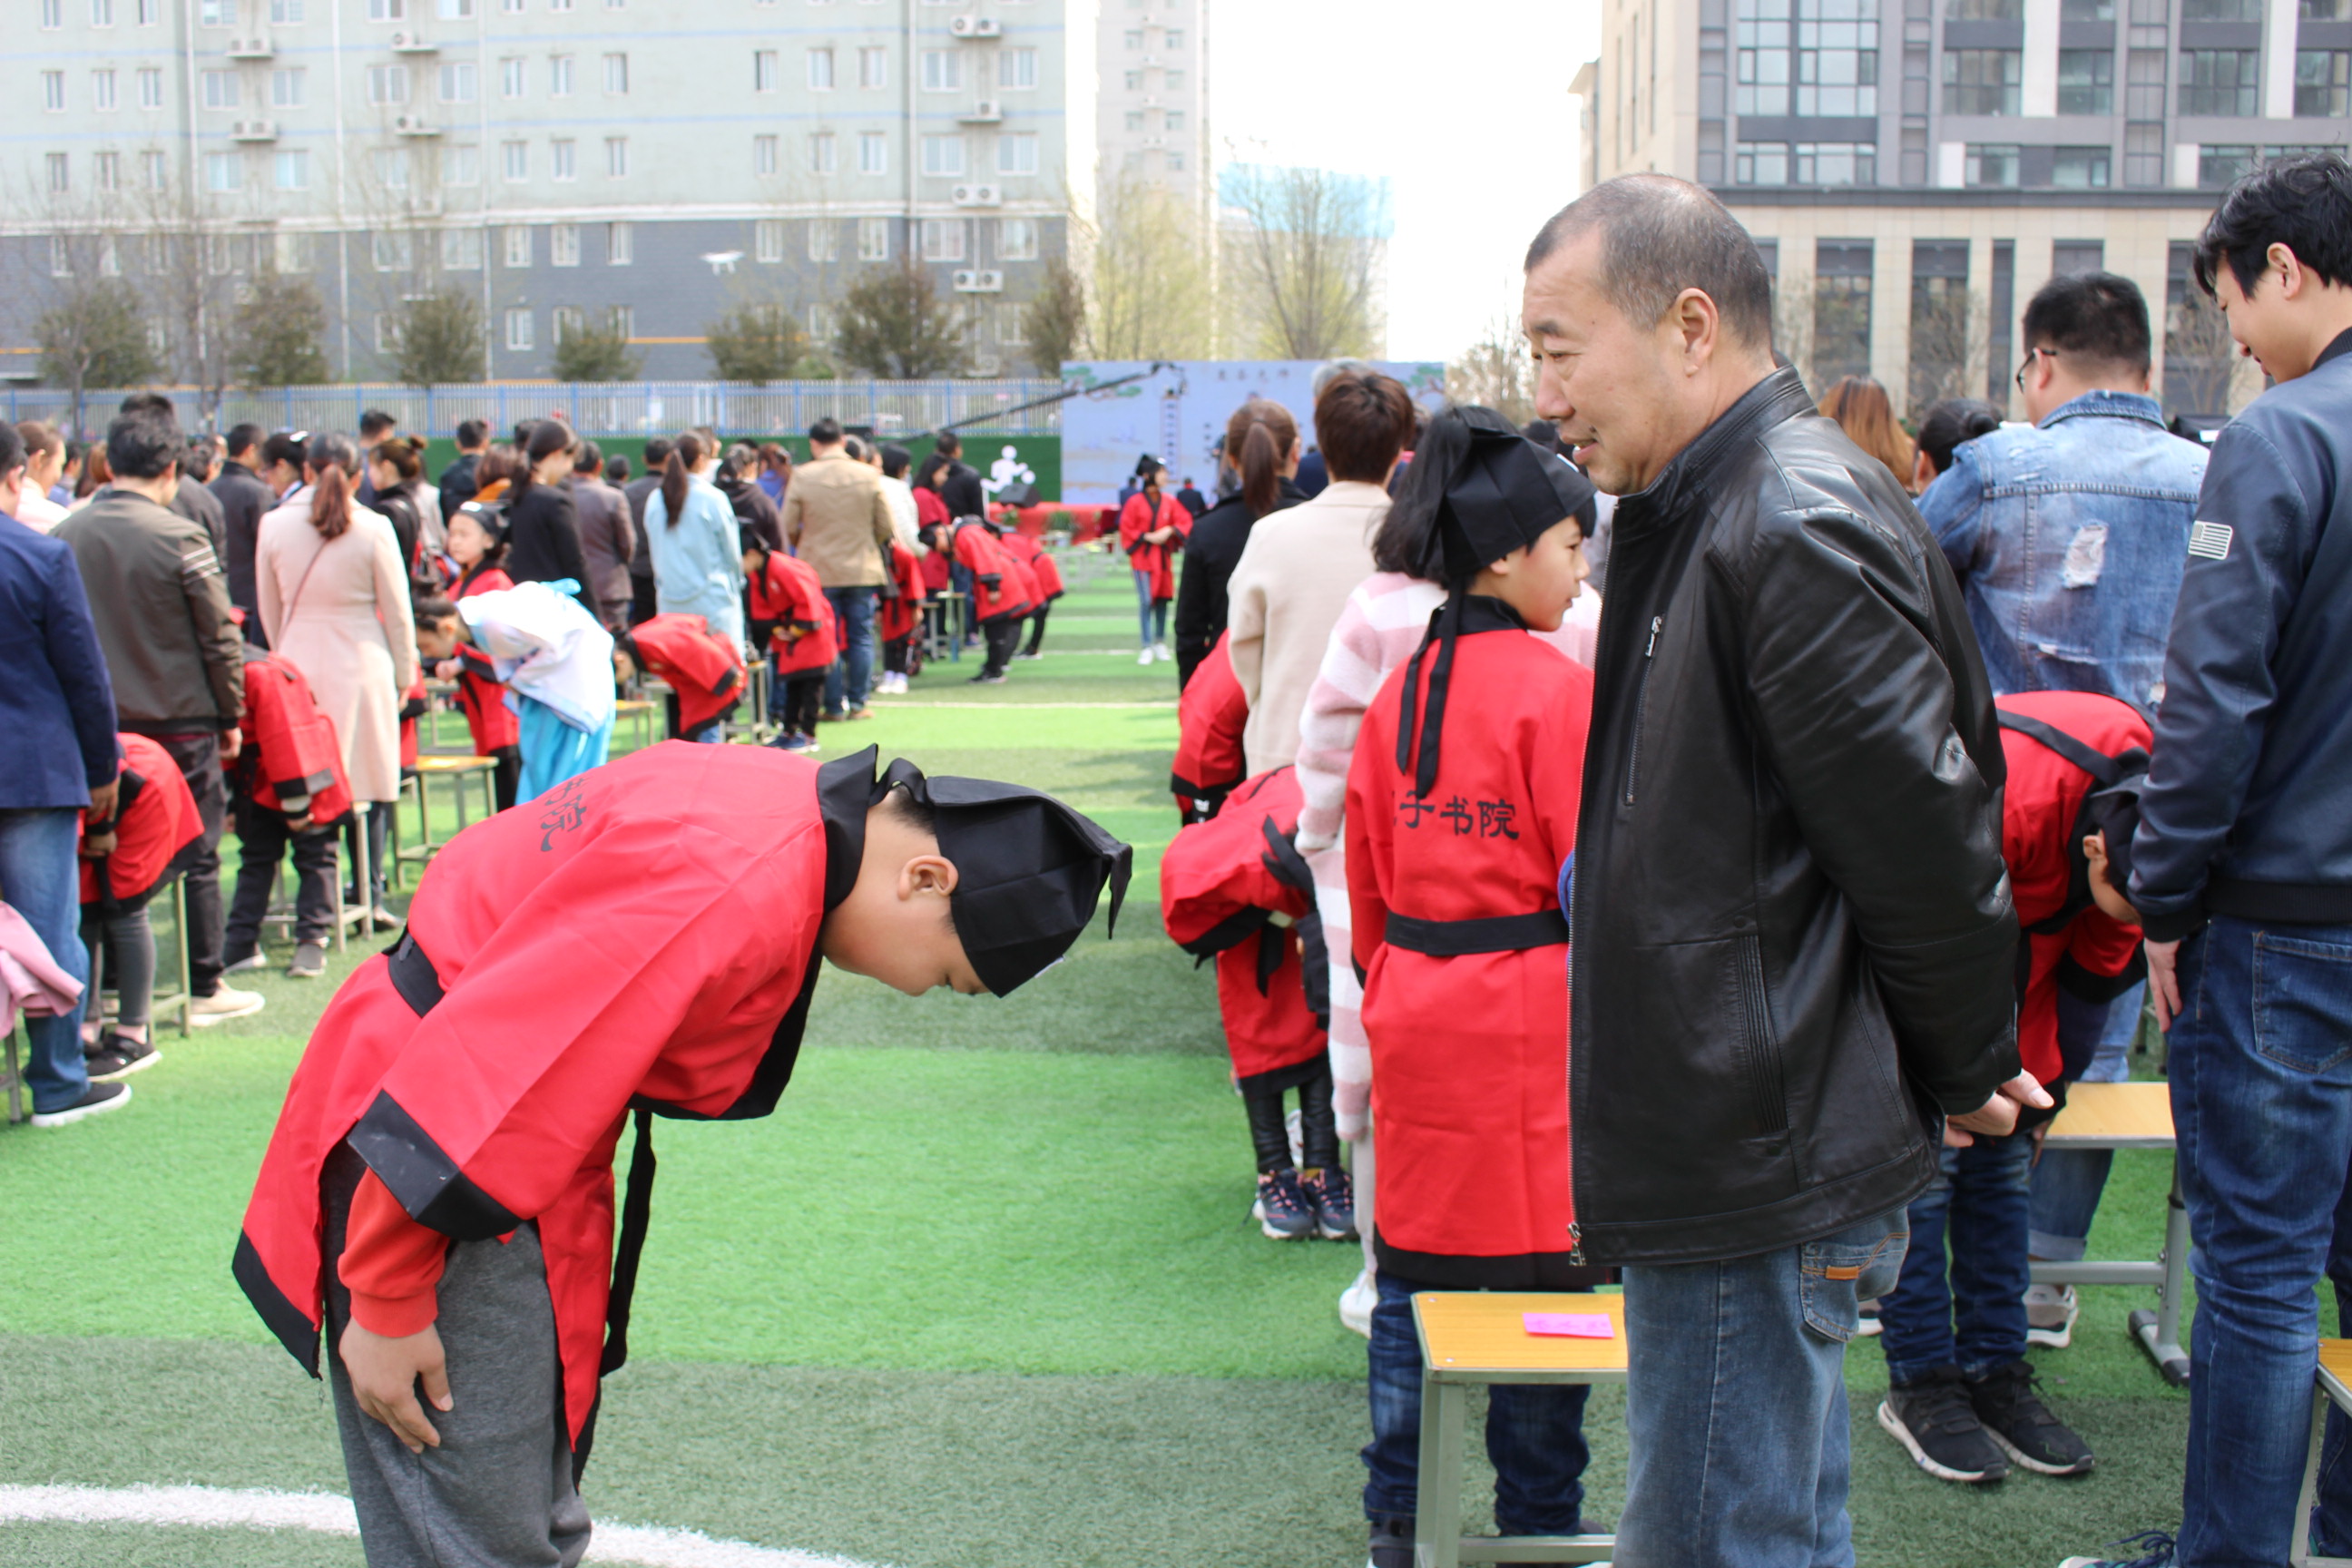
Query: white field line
pixel 222 1508
pixel 889 705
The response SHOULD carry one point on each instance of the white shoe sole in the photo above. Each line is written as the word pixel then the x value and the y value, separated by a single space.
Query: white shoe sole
pixel 82 1113
pixel 1257 1213
pixel 294 973
pixel 256 964
pixel 2017 1457
pixel 206 1020
pixel 2051 1339
pixel 141 1064
pixel 1894 1429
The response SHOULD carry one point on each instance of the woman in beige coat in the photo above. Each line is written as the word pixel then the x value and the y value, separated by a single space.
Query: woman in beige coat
pixel 334 602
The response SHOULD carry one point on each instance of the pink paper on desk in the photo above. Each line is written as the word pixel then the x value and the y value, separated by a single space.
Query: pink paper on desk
pixel 1569 1325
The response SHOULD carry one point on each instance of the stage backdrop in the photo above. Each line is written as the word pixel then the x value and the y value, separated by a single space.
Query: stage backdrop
pixel 1179 411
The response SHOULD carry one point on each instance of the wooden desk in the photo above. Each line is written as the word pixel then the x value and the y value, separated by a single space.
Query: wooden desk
pixel 2131 1116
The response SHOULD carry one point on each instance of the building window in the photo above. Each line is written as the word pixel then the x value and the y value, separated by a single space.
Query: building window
pixel 392 250
pixel 1983 81
pixel 149 12
pixel 616 157
pixel 563 244
pixel 2220 165
pixel 1016 152
pixel 387 332
pixel 1175 161
pixel 285 12
pixel 215 13
pixel 461 166
pixel 516 245
pixel 943 239
pixel 293 169
pixel 1017 68
pixel 1134 120
pixel 101 13
pixel 152 167
pixel 461 250
pixel 559 76
pixel 1174 119
pixel 1808 57
pixel 2221 10
pixel 457 82
pixel 768 240
pixel 1134 81
pixel 106 170
pixel 1173 80
pixel 289 86
pixel 823 158
pixel 1841 310
pixel 620 245
pixel 2218 82
pixel 873 239
pixel 944 155
pixel 820 70
pixel 874 68
pixel 616 74
pixel 1012 325
pixel 514 162
pixel 1939 321
pixel 563 159
pixel 824 241
pixel 1132 39
pixel 873 152
pixel 387 84
pixel 1992 164
pixel 763 70
pixel 2077 257
pixel 820 324
pixel 1986 11
pixel 563 321
pixel 1016 239
pixel 387 10
pixel 519 332
pixel 455 10
pixel 942 71
pixel 2086 82
pixel 53 90
pixel 1805 163
pixel 510 75
pixel 53 14
pixel 224 171
pixel 390 165
pixel 2080 169
pixel 763 154
pixel 215 89
pixel 290 252
pixel 2321 77
pixel 151 88
pixel 60 257
pixel 102 90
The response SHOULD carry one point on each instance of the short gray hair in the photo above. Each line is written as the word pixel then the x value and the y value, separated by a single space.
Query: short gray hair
pixel 1659 237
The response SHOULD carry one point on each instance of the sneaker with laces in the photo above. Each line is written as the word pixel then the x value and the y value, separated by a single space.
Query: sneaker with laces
pixel 117 1056
pixel 2050 1314
pixel 2006 1402
pixel 1391 1544
pixel 1332 1196
pixel 1356 1304
pixel 226 1003
pixel 309 962
pixel 1934 1420
pixel 252 963
pixel 96 1100
pixel 2154 1549
pixel 1281 1208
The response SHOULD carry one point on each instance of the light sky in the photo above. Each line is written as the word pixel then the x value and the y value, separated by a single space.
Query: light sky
pixel 1463 105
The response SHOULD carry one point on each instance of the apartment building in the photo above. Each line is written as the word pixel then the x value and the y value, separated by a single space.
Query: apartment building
pixel 652 163
pixel 1153 108
pixel 1915 169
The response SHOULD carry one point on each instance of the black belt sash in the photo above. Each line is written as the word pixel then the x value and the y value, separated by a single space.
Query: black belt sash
pixel 1493 933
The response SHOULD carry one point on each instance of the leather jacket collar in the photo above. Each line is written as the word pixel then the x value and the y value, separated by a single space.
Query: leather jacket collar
pixel 1779 396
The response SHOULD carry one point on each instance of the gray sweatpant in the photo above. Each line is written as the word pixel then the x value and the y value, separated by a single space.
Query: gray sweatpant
pixel 498 1492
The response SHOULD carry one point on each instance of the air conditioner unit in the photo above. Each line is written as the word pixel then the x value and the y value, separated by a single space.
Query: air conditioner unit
pixel 249 49
pixel 253 131
pixel 414 125
pixel 966 280
pixel 976 196
pixel 987 112
pixel 988 280
pixel 411 44
pixel 975 27
pixel 961 27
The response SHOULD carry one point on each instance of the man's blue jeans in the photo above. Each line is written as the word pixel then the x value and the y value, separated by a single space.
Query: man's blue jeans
pixel 1735 1406
pixel 1535 1433
pixel 847 683
pixel 2262 1105
pixel 40 878
pixel 1979 1201
pixel 2067 1182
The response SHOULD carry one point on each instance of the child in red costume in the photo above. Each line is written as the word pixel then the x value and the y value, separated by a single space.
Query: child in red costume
pixel 998 600
pixel 1961 1397
pixel 125 856
pixel 1209 717
pixel 1234 888
pixel 441 1174
pixel 703 668
pixel 288 791
pixel 899 619
pixel 1462 806
pixel 793 621
pixel 477 543
pixel 1045 572
pixel 1152 527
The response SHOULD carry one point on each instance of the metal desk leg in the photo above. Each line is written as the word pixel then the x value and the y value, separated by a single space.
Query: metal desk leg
pixel 187 973
pixel 1437 1522
pixel 335 893
pixel 2158 1332
pixel 15 1081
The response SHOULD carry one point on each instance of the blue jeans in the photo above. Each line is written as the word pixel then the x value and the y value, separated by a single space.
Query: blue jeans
pixel 848 682
pixel 1535 1433
pixel 1735 1405
pixel 2261 1104
pixel 1979 1201
pixel 2067 1182
pixel 1146 608
pixel 40 878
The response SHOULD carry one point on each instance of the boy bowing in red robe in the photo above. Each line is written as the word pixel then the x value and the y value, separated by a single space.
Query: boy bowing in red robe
pixel 436 1209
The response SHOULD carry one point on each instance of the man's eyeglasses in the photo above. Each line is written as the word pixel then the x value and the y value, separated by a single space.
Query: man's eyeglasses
pixel 2030 355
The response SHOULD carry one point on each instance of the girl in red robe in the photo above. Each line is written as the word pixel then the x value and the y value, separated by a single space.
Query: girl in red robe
pixel 1209 717
pixel 435 1211
pixel 125 856
pixel 476 545
pixel 703 668
pixel 1152 527
pixel 900 618
pixel 1462 806
pixel 794 620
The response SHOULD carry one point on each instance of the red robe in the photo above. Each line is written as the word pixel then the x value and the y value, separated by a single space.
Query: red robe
pixel 1470 1052
pixel 1209 717
pixel 805 639
pixel 1218 883
pixel 930 509
pixel 2039 808
pixel 703 666
pixel 154 818
pixel 289 750
pixel 897 617
pixel 649 929
pixel 479 691
pixel 995 579
pixel 1158 561
pixel 1040 562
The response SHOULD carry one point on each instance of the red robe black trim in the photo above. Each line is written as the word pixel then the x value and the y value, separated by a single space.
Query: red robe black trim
pixel 1042 571
pixel 1210 719
pixel 899 616
pixel 1157 561
pixel 481 695
pixel 288 749
pixel 154 818
pixel 703 666
pixel 790 597
pixel 996 578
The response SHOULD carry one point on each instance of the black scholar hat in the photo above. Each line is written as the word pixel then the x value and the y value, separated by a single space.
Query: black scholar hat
pixel 1507 493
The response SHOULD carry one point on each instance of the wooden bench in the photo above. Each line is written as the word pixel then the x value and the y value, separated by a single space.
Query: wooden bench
pixel 1468 1338
pixel 2335 1388
pixel 460 771
pixel 639 712
pixel 2131 1116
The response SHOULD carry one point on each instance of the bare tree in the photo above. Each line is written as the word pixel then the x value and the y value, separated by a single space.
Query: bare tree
pixel 893 324
pixel 1055 318
pixel 92 327
pixel 758 340
pixel 1149 271
pixel 1793 321
pixel 198 258
pixel 586 351
pixel 2199 355
pixel 1950 340
pixel 1497 371
pixel 1304 255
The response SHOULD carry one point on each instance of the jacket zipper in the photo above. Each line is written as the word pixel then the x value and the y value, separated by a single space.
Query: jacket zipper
pixel 1642 708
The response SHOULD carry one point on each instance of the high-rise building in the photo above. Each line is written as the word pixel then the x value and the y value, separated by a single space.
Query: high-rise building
pixel 1915 169
pixel 646 162
pixel 1152 104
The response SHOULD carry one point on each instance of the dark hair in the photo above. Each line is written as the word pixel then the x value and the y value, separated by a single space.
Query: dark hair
pixel 12 448
pixel 2303 203
pixel 1258 439
pixel 1864 411
pixel 432 611
pixel 2099 317
pixel 376 422
pixel 39 436
pixel 405 453
pixel 589 459
pixel 283 446
pixel 241 438
pixel 949 442
pixel 472 432
pixel 95 473
pixel 1363 420
pixel 895 460
pixel 547 436
pixel 825 431
pixel 144 441
pixel 738 460
pixel 1949 423
pixel 491 520
pixel 657 452
pixel 499 463
pixel 1402 541
pixel 332 459
pixel 772 456
pixel 148 402
pixel 617 469
pixel 204 456
pixel 934 464
pixel 855 447
pixel 685 453
pixel 1659 237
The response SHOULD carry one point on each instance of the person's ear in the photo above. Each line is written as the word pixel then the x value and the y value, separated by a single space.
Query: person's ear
pixel 2289 267
pixel 1694 319
pixel 1923 470
pixel 932 876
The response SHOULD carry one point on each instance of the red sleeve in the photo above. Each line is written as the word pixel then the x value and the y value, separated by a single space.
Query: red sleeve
pixel 1175 514
pixel 391 1264
pixel 1134 520
pixel 2101 943
pixel 1372 783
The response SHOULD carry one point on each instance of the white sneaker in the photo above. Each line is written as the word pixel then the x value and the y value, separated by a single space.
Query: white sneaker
pixel 1144 657
pixel 1355 1303
pixel 2050 1314
pixel 1163 653
pixel 223 1005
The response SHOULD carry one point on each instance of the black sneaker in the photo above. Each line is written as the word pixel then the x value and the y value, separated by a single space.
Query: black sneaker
pixel 117 1056
pixel 2149 1549
pixel 1935 1421
pixel 96 1100
pixel 2012 1412
pixel 985 679
pixel 309 962
pixel 1391 1544
pixel 1332 1196
pixel 1281 1208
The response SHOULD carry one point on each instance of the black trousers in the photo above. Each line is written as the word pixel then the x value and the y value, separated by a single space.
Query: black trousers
pixel 1004 634
pixel 200 764
pixel 1037 627
pixel 893 654
pixel 509 774
pixel 263 839
pixel 803 700
pixel 1319 1131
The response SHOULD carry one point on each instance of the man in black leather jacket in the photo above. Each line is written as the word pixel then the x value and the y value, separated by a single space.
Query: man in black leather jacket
pixel 1794 943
